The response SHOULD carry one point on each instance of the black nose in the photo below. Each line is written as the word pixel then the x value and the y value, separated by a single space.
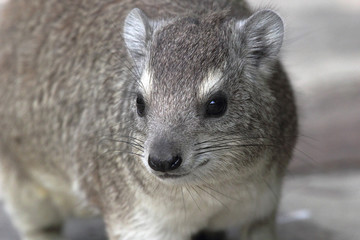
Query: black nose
pixel 164 165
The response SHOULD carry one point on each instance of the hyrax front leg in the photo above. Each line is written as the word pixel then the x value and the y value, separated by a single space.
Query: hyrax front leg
pixel 29 205
pixel 263 229
pixel 260 230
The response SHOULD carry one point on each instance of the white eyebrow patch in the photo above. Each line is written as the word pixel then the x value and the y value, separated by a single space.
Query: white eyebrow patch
pixel 145 81
pixel 210 82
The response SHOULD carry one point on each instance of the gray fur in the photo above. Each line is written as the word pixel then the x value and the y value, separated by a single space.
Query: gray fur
pixel 72 143
pixel 137 32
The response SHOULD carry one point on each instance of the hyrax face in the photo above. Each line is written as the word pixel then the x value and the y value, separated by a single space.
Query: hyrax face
pixel 203 106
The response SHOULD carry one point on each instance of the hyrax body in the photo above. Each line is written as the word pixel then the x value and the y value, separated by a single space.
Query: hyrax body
pixel 167 121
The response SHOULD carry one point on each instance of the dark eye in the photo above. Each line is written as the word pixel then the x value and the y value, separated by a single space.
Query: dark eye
pixel 216 106
pixel 140 105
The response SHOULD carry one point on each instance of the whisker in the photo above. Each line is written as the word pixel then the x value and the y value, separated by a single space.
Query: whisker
pixel 312 162
pixel 234 136
pixel 228 138
pixel 229 143
pixel 156 188
pixel 128 152
pixel 134 145
pixel 231 147
pixel 140 141
pixel 275 196
pixel 192 196
pixel 117 151
pixel 211 195
pixel 232 198
pixel 182 194
pixel 197 193
pixel 308 137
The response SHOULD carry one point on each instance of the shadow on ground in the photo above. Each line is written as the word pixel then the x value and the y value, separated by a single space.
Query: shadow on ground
pixel 93 229
pixel 299 230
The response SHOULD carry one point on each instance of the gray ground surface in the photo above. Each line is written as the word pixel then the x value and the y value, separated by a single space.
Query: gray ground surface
pixel 321 198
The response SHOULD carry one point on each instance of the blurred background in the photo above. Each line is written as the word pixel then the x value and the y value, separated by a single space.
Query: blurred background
pixel 321 196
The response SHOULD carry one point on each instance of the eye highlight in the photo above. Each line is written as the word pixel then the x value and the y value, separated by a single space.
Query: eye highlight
pixel 140 105
pixel 216 106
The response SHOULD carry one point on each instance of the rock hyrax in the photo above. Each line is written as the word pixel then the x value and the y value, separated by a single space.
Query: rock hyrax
pixel 167 121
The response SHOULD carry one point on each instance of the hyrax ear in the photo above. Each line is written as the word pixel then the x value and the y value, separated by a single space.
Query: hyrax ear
pixel 137 32
pixel 263 36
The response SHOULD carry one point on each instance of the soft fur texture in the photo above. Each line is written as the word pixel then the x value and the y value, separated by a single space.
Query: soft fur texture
pixel 73 144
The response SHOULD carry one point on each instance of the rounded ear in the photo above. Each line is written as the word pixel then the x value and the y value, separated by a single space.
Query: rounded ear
pixel 263 34
pixel 137 32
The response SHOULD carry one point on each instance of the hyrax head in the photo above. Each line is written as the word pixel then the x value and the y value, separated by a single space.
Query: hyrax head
pixel 203 105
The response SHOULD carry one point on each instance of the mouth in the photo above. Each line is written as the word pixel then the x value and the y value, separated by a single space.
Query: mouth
pixel 175 176
pixel 172 176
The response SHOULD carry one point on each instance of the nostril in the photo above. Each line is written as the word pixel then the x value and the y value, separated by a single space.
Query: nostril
pixel 160 165
pixel 175 162
pixel 154 163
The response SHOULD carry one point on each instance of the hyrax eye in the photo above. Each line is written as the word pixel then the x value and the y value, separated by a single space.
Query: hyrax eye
pixel 216 106
pixel 140 106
